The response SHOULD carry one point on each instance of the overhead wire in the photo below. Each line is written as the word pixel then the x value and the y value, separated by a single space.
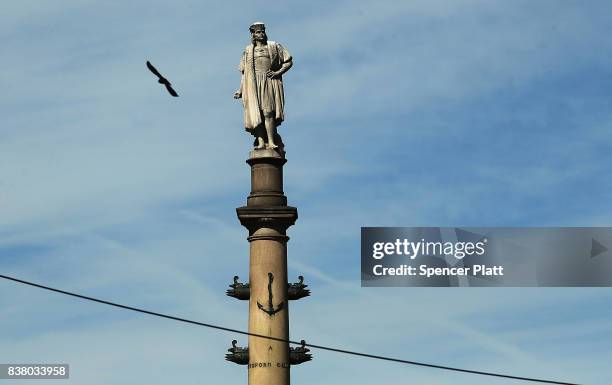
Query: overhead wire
pixel 321 347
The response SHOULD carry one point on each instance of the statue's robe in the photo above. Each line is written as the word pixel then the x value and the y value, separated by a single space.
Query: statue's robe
pixel 259 92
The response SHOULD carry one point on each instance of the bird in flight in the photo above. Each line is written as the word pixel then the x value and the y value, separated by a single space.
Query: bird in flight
pixel 162 80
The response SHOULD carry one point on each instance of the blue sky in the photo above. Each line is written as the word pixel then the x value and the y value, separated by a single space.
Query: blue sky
pixel 439 113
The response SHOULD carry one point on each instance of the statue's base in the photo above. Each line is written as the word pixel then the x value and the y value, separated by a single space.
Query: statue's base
pixel 265 153
pixel 266 178
pixel 266 214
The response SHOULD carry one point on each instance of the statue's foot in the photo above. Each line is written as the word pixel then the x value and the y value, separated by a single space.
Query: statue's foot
pixel 272 146
pixel 260 146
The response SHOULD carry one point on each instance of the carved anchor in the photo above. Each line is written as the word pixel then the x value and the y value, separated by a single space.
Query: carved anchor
pixel 270 310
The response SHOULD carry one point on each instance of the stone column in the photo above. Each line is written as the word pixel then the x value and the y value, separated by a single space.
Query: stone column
pixel 267 218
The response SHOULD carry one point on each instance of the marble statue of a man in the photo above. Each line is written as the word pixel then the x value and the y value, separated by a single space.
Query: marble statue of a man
pixel 262 66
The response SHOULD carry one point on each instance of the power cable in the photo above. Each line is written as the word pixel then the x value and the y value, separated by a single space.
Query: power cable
pixel 284 340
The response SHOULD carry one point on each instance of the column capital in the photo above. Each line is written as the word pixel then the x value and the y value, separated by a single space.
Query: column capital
pixel 269 222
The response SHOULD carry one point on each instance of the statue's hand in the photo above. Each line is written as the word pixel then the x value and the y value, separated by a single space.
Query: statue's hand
pixel 273 74
pixel 237 95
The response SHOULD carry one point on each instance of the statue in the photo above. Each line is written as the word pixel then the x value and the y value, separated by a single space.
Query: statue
pixel 262 66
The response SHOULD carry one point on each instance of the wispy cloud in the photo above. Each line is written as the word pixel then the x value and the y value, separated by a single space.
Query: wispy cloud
pixel 420 113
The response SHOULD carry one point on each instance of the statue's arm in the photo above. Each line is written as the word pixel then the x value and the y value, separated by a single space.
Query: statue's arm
pixel 285 67
pixel 238 93
pixel 287 62
pixel 287 59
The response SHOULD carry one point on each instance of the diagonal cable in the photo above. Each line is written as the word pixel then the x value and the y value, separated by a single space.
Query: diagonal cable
pixel 434 366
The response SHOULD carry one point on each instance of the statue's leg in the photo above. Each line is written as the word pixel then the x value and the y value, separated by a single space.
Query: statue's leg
pixel 279 142
pixel 270 129
pixel 259 135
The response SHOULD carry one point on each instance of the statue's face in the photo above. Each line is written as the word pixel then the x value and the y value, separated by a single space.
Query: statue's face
pixel 260 35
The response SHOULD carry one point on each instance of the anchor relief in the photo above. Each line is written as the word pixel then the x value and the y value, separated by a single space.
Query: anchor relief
pixel 270 310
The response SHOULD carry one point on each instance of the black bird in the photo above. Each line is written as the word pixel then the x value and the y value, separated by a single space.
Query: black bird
pixel 162 80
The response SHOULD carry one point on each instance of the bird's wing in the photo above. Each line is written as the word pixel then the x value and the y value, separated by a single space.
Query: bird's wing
pixel 162 79
pixel 152 69
pixel 170 89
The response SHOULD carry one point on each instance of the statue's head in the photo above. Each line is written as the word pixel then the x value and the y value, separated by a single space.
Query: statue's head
pixel 258 32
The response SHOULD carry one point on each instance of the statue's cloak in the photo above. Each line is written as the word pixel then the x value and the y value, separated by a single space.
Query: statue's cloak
pixel 251 85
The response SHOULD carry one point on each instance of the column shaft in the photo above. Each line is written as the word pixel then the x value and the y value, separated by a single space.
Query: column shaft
pixel 268 359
